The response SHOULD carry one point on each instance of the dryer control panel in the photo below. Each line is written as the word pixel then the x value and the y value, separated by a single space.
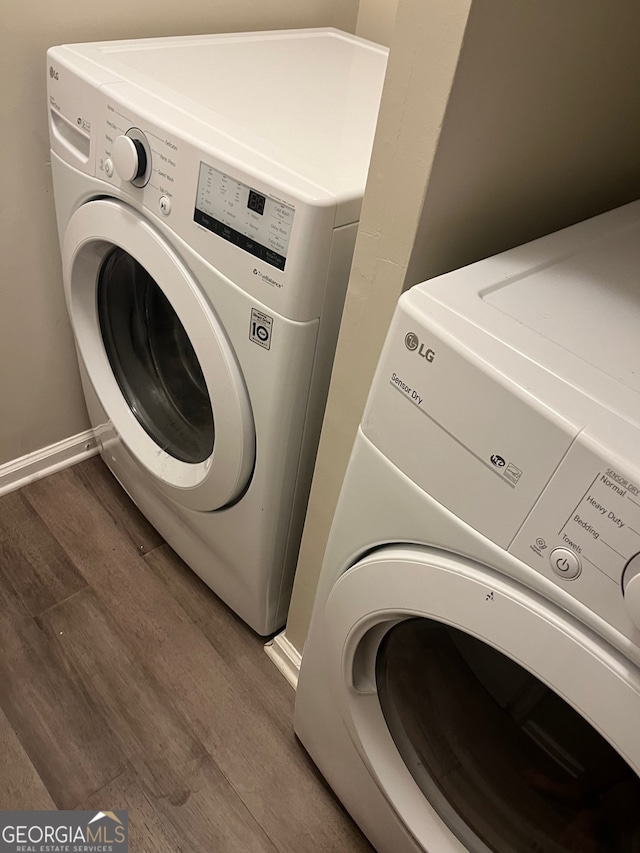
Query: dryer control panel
pixel 585 532
pixel 510 443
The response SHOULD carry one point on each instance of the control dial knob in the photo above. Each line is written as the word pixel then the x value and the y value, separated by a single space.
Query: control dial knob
pixel 631 589
pixel 131 157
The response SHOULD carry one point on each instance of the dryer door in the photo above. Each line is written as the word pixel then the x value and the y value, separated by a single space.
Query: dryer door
pixel 481 710
pixel 157 356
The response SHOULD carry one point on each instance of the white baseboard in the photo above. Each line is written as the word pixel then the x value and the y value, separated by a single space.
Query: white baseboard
pixel 19 472
pixel 285 656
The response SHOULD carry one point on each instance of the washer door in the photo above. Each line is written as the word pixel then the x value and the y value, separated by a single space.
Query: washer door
pixel 482 710
pixel 157 356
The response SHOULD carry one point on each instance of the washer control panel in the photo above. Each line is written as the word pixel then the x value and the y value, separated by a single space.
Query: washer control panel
pixel 129 156
pixel 230 208
pixel 257 223
pixel 584 533
pixel 209 187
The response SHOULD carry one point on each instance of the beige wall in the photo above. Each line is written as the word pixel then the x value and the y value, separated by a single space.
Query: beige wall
pixel 376 19
pixel 541 129
pixel 425 47
pixel 40 395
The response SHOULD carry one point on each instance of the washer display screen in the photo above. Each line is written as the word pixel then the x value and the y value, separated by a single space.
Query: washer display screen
pixel 256 223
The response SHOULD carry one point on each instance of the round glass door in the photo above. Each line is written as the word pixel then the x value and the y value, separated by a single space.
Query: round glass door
pixel 157 355
pixel 153 360
pixel 491 718
pixel 508 765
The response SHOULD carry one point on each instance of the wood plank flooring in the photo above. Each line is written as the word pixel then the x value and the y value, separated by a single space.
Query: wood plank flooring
pixel 126 684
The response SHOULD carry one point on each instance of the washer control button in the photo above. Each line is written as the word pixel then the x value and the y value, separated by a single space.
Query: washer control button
pixel 165 205
pixel 108 167
pixel 129 158
pixel 565 563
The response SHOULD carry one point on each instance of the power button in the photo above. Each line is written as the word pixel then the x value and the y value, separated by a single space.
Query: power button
pixel 565 563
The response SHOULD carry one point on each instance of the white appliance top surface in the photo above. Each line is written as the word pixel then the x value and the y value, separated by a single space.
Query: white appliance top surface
pixel 589 304
pixel 568 299
pixel 311 94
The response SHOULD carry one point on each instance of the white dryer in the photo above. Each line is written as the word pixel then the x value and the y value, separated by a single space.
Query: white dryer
pixel 207 192
pixel 471 680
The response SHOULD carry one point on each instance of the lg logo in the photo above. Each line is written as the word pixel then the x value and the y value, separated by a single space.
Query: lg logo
pixel 412 343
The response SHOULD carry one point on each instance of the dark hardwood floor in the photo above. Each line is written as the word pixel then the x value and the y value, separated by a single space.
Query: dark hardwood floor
pixel 126 684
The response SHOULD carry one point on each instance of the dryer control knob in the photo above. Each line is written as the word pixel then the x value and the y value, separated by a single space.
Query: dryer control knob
pixel 129 158
pixel 631 589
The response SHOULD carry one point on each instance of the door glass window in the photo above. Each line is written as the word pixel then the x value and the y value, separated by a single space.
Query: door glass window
pixel 509 766
pixel 153 360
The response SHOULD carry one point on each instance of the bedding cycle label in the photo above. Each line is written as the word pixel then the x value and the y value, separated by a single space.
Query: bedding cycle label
pixel 605 525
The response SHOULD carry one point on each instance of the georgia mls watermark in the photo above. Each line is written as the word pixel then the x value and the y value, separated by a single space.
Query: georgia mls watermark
pixel 63 832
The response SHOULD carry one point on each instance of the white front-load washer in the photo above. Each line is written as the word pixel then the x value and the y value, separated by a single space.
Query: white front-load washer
pixel 207 191
pixel 471 679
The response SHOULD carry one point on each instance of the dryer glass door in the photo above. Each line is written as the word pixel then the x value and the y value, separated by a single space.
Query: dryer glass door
pixel 505 761
pixel 153 360
pixel 483 709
